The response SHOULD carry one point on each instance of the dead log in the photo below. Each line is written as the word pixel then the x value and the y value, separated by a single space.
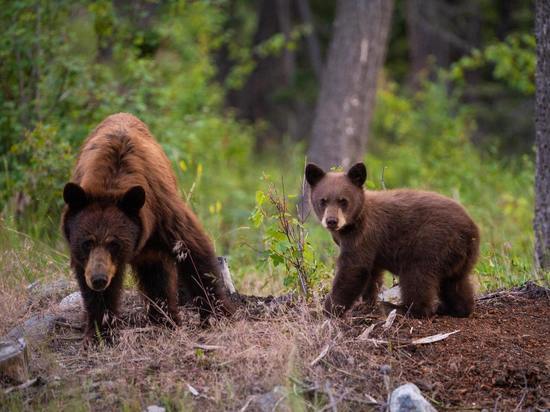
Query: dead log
pixel 14 360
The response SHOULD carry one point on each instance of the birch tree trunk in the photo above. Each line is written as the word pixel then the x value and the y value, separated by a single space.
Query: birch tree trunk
pixel 542 139
pixel 348 89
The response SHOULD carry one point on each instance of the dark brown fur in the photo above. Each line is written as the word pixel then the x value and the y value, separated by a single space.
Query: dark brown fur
pixel 425 239
pixel 123 208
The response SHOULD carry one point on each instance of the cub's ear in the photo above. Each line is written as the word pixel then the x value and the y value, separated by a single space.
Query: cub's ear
pixel 314 174
pixel 358 174
pixel 74 196
pixel 133 200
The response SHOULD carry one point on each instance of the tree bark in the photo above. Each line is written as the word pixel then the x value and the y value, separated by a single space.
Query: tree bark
pixel 542 137
pixel 348 89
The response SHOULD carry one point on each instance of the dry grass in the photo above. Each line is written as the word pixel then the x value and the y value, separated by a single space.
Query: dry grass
pixel 314 363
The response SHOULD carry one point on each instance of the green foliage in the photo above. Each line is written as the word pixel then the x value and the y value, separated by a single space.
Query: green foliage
pixel 513 62
pixel 66 65
pixel 286 241
pixel 42 159
pixel 87 62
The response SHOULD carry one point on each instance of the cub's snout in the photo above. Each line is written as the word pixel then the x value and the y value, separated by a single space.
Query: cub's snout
pixel 333 219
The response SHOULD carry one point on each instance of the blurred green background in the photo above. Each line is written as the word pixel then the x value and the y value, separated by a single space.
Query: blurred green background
pixel 211 80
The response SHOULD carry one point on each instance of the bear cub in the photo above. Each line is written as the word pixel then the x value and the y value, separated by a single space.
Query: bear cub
pixel 424 238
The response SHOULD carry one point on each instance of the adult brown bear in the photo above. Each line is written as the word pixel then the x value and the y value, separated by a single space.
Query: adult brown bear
pixel 122 207
pixel 426 239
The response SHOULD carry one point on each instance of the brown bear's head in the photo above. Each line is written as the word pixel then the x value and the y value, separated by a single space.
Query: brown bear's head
pixel 336 198
pixel 102 233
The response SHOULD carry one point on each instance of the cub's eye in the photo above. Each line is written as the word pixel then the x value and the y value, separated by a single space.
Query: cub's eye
pixel 113 247
pixel 87 245
pixel 343 202
pixel 323 202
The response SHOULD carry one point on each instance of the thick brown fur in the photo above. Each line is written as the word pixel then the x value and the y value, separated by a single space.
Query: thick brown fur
pixel 123 208
pixel 424 238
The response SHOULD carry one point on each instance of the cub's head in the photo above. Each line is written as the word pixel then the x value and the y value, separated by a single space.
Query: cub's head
pixel 336 198
pixel 102 233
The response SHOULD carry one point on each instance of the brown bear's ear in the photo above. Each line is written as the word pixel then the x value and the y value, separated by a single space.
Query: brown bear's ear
pixel 358 174
pixel 133 200
pixel 74 196
pixel 314 174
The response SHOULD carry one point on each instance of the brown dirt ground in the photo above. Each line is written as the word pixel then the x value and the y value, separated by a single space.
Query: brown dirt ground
pixel 499 360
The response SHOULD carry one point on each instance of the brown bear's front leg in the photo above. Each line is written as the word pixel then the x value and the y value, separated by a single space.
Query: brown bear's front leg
pixel 158 280
pixel 101 307
pixel 346 288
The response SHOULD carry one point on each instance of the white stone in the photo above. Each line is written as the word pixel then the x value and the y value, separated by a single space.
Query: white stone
pixel 155 408
pixel 407 398
pixel 72 301
pixel 392 295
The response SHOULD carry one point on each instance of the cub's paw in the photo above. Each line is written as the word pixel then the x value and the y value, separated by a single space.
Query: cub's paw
pixel 333 309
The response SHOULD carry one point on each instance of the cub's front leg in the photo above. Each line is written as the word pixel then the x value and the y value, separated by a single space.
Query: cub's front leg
pixel 347 286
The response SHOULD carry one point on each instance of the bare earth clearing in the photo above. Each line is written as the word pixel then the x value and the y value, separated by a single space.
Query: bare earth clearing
pixel 498 360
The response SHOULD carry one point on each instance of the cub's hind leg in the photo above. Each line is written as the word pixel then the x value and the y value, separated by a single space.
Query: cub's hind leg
pixel 456 293
pixel 419 292
pixel 157 278
pixel 457 297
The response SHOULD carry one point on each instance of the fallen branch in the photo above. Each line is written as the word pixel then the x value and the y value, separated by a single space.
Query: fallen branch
pixel 433 338
pixel 321 355
pixel 390 319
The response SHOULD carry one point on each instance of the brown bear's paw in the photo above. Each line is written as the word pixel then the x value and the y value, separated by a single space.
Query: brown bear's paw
pixel 168 318
pixel 93 337
pixel 333 309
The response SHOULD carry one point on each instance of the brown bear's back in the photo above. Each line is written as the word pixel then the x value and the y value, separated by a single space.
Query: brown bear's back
pixel 121 153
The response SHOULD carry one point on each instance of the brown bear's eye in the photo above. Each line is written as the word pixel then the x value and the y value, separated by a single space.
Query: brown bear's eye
pixel 343 202
pixel 87 245
pixel 113 247
pixel 323 202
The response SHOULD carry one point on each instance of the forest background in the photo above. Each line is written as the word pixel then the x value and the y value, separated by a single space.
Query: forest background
pixel 237 91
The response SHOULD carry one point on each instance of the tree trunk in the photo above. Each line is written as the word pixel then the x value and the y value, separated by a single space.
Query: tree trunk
pixel 542 130
pixel 348 89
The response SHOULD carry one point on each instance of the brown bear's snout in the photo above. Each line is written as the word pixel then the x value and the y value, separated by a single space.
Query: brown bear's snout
pixel 99 281
pixel 100 269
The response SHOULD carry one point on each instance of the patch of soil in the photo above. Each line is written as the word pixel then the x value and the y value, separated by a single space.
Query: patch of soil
pixel 498 360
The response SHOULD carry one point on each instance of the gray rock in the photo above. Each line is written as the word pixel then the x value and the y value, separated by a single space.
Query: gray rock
pixel 392 295
pixel 14 360
pixel 35 329
pixel 72 301
pixel 155 408
pixel 41 293
pixel 269 401
pixel 407 398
